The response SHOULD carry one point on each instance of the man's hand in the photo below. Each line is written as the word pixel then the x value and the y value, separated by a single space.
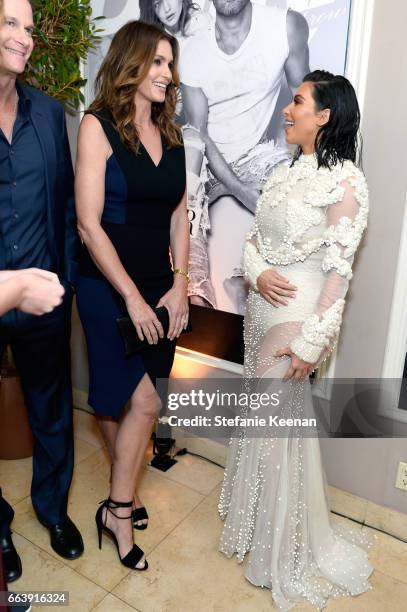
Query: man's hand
pixel 50 276
pixel 246 193
pixel 39 294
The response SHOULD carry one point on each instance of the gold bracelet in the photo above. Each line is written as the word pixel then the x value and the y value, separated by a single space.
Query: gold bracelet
pixel 179 271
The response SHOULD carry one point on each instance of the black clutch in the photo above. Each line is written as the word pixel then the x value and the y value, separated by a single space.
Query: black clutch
pixel 132 343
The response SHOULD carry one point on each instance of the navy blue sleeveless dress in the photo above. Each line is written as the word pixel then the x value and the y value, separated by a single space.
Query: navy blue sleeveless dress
pixel 140 198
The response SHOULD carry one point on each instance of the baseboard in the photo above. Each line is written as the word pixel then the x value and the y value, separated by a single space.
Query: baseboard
pixel 210 449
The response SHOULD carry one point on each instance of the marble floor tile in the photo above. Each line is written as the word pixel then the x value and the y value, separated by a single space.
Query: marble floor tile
pixel 15 475
pixel 97 464
pixel 195 473
pixel 167 503
pixel 389 555
pixel 187 573
pixel 43 572
pixel 387 595
pixel 113 604
pixel 83 449
pixel 86 428
pixel 99 566
pixel 15 479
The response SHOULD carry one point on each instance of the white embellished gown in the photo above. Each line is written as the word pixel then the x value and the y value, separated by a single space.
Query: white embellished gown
pixel 308 225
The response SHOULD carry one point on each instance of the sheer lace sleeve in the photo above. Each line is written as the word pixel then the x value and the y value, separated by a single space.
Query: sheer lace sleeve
pixel 346 222
pixel 253 263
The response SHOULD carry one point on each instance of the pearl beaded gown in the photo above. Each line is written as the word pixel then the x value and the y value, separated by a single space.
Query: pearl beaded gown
pixel 308 226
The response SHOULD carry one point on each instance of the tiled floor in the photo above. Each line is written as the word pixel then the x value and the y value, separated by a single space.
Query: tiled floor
pixel 186 573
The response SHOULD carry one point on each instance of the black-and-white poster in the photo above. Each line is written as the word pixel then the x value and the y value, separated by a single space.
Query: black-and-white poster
pixel 240 61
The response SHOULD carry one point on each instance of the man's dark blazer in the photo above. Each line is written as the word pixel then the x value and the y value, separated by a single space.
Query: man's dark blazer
pixel 41 344
pixel 48 118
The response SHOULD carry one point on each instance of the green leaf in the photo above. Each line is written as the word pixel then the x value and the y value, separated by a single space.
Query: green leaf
pixel 64 34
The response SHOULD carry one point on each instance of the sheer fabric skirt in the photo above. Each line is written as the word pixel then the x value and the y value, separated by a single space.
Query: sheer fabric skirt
pixel 274 494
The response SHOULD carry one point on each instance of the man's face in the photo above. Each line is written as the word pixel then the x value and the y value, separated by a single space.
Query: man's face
pixel 16 41
pixel 230 7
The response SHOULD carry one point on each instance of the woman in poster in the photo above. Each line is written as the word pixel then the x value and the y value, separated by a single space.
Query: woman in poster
pixel 181 18
pixel 298 259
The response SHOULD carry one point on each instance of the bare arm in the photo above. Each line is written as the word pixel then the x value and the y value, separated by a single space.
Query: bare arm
pixel 176 299
pixel 297 62
pixel 31 291
pixel 93 152
pixel 179 235
pixel 11 293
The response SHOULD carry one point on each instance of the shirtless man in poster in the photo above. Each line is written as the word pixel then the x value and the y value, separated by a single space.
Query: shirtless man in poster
pixel 231 80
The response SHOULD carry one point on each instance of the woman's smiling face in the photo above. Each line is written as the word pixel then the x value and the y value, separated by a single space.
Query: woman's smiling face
pixel 154 86
pixel 302 119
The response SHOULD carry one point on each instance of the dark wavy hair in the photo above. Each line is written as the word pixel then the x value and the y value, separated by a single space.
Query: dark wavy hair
pixel 337 140
pixel 125 66
pixel 148 14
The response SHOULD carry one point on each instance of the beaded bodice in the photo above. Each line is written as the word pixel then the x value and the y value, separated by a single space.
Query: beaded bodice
pixel 313 219
pixel 291 221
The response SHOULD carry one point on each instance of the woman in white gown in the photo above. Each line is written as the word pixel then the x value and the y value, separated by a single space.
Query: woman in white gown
pixel 298 260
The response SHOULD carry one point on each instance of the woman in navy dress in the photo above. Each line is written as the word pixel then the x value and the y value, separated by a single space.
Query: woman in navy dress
pixel 131 207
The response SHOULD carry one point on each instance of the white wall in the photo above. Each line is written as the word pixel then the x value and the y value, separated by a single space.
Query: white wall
pixel 368 467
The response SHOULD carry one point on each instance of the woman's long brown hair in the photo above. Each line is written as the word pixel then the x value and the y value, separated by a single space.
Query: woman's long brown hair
pixel 125 66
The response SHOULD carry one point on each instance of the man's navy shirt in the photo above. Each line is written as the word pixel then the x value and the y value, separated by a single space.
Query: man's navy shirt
pixel 23 198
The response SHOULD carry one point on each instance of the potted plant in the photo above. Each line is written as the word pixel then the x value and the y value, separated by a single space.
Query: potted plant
pixel 65 33
pixel 18 442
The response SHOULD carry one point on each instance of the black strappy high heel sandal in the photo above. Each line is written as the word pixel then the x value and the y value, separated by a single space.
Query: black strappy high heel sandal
pixel 135 555
pixel 139 514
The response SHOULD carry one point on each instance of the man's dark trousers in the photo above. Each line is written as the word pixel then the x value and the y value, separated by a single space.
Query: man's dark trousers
pixel 6 516
pixel 40 345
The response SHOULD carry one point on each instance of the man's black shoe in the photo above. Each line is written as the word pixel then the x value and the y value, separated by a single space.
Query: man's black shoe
pixel 11 559
pixel 20 607
pixel 65 538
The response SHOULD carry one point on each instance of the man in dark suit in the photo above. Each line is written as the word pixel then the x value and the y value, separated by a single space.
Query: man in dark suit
pixel 38 229
pixel 35 292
